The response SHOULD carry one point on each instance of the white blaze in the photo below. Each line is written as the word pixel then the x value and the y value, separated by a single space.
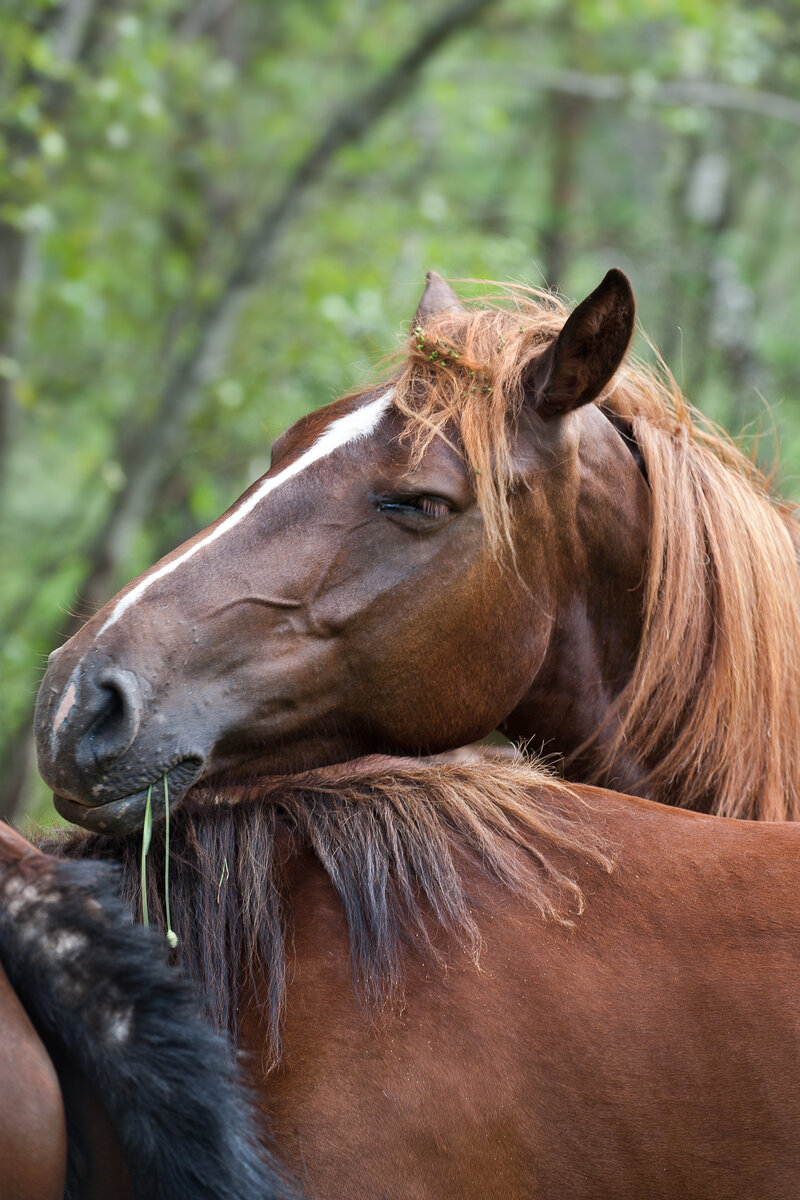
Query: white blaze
pixel 350 428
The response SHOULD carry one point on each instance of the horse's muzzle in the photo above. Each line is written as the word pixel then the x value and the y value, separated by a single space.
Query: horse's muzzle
pixel 126 814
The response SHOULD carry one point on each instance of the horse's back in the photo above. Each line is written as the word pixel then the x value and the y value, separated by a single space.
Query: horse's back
pixel 33 1143
pixel 659 1032
pixel 644 1051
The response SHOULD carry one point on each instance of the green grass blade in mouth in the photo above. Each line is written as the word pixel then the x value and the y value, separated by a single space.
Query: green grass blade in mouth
pixel 147 833
pixel 172 937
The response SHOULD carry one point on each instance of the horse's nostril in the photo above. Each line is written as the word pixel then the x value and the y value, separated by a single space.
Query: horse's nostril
pixel 115 715
pixel 114 711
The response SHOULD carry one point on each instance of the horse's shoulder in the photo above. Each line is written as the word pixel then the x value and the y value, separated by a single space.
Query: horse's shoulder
pixel 33 1139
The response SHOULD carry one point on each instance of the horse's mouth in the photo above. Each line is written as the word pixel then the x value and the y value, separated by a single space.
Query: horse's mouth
pixel 126 814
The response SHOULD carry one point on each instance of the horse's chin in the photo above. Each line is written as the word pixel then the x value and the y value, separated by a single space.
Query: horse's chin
pixel 126 814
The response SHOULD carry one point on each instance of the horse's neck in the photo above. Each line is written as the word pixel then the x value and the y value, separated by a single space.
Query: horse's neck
pixel 571 706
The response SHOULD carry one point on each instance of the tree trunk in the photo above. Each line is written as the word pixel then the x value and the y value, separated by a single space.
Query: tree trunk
pixel 565 121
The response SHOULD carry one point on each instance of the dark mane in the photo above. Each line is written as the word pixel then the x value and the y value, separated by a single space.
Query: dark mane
pixel 712 703
pixel 103 1001
pixel 394 837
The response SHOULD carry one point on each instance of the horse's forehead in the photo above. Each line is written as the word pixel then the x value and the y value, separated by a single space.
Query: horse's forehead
pixel 306 432
pixel 384 445
pixel 352 423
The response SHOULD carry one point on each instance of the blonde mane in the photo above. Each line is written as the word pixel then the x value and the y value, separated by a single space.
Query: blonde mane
pixel 713 705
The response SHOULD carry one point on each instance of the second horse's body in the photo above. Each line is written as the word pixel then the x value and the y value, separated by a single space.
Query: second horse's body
pixel 498 1040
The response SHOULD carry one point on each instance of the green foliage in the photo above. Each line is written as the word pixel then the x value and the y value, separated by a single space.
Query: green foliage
pixel 135 162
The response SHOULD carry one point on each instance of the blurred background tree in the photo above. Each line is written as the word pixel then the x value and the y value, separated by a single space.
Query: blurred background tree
pixel 215 215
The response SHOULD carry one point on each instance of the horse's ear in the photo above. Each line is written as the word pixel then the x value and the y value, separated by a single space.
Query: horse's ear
pixel 576 367
pixel 437 297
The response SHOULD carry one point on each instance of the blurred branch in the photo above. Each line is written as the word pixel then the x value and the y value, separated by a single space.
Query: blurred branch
pixel 17 763
pixel 202 16
pixel 693 92
pixel 14 248
pixel 70 32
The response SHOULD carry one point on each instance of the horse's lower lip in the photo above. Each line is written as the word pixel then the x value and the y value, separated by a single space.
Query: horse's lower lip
pixel 126 815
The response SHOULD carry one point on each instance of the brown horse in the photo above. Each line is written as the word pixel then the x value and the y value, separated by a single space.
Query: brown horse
pixel 498 1041
pixel 109 1083
pixel 520 529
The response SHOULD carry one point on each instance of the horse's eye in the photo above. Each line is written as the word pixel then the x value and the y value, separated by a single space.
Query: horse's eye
pixel 415 508
pixel 431 506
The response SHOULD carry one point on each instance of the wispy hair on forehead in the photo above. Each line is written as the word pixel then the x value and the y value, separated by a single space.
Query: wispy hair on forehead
pixel 462 377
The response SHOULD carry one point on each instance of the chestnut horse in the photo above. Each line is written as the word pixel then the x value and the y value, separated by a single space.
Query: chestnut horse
pixel 520 529
pixel 477 544
pixel 109 1083
pixel 498 1042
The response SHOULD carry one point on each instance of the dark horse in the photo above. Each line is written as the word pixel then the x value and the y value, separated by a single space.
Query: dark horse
pixel 526 1023
pixel 110 1085
pixel 520 529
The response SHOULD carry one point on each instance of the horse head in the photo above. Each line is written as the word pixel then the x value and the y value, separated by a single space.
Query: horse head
pixel 458 549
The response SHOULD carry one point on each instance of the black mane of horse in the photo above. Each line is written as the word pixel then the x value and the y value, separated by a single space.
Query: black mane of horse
pixel 100 995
